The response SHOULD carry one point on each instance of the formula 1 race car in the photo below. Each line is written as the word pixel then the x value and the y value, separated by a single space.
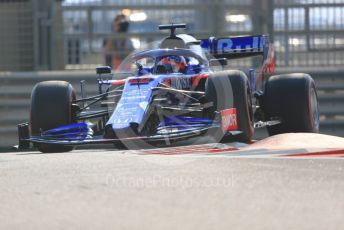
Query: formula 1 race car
pixel 173 93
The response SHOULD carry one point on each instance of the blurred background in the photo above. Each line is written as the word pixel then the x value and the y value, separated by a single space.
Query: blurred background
pixel 47 39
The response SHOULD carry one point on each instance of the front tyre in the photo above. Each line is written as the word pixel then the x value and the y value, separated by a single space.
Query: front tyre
pixel 293 99
pixel 51 107
pixel 230 89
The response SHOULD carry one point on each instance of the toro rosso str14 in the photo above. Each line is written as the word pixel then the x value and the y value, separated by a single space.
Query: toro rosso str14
pixel 172 93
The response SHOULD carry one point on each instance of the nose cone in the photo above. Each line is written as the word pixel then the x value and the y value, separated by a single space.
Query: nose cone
pixel 130 131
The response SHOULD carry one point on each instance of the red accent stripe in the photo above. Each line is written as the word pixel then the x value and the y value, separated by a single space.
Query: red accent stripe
pixel 168 82
pixel 118 82
pixel 331 153
pixel 140 80
pixel 195 79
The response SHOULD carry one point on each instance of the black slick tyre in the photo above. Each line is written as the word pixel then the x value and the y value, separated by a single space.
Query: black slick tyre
pixel 51 107
pixel 230 89
pixel 292 98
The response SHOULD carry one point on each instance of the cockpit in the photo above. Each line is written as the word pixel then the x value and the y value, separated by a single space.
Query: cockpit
pixel 164 61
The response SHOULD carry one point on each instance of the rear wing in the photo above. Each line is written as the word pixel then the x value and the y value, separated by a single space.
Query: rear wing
pixel 241 47
pixel 236 47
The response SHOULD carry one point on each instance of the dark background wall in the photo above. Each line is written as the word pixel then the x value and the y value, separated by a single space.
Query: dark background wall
pixel 31 35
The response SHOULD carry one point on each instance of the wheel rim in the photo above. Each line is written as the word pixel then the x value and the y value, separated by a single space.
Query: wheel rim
pixel 314 108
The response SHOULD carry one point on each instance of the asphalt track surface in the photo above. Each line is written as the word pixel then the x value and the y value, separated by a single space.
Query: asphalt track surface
pixel 286 182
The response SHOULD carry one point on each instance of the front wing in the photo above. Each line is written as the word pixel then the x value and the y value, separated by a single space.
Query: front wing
pixel 82 138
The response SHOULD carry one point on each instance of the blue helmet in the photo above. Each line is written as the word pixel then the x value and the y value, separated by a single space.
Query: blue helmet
pixel 171 64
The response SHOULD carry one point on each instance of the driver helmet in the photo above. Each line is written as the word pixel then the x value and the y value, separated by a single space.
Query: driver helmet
pixel 172 64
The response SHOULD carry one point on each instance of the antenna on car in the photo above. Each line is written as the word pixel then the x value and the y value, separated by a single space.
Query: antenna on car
pixel 172 27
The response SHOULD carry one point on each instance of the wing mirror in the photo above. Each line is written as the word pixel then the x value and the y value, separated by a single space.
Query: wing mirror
pixel 103 69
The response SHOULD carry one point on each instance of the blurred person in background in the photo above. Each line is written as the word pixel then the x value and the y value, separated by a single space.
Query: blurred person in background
pixel 117 49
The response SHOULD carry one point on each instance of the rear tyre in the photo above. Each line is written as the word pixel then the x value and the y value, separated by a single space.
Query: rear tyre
pixel 293 99
pixel 230 89
pixel 51 107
